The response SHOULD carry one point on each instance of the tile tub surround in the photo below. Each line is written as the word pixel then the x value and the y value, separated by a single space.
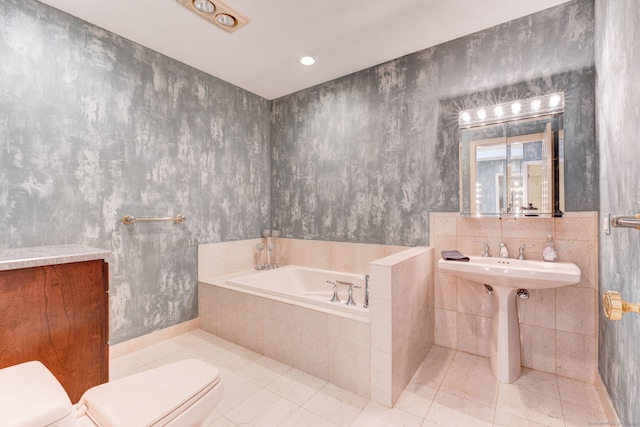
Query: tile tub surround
pixel 402 320
pixel 403 312
pixel 557 326
pixel 327 345
pixel 216 259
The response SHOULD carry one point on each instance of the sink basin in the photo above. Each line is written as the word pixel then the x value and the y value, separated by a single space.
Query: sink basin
pixel 514 273
pixel 506 276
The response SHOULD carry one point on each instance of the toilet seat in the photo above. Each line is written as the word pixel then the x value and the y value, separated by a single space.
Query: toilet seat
pixel 160 394
pixel 179 394
pixel 28 386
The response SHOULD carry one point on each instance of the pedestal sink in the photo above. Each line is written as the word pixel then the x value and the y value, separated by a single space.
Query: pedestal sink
pixel 506 276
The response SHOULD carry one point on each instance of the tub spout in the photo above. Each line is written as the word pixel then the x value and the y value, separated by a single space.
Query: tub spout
pixel 366 291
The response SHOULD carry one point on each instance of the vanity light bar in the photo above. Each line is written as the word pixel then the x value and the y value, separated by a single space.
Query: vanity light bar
pixel 531 107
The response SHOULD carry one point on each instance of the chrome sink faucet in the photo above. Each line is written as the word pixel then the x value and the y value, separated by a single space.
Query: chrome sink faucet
pixel 486 248
pixel 521 250
pixel 504 252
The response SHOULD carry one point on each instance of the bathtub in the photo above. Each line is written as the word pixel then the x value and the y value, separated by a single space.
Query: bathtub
pixel 304 285
pixel 287 315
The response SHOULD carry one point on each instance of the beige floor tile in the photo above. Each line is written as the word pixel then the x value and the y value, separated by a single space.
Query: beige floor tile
pixel 263 371
pixel 435 366
pixel 582 415
pixel 236 391
pixel 578 392
pixel 376 415
pixel 264 408
pixel 297 386
pixel 537 381
pixel 451 411
pixel 220 422
pixel 304 418
pixel 124 366
pixel 503 419
pixel 451 388
pixel 530 405
pixel 416 399
pixel 472 365
pixel 163 353
pixel 336 404
pixel 481 390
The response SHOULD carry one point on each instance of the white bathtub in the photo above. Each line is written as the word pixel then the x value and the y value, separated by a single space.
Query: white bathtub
pixel 304 285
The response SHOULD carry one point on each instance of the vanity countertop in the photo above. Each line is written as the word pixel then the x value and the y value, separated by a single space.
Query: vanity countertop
pixel 38 256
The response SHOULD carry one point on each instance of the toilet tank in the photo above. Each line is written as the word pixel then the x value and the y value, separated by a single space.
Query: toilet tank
pixel 30 396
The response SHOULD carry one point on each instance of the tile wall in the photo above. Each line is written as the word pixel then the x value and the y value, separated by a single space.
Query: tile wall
pixel 402 320
pixel 558 327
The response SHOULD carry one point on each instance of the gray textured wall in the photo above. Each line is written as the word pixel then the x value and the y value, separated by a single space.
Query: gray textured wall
pixel 93 127
pixel 618 93
pixel 366 157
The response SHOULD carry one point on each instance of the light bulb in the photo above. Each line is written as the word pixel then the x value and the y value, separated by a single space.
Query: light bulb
pixel 204 6
pixel 307 60
pixel 535 104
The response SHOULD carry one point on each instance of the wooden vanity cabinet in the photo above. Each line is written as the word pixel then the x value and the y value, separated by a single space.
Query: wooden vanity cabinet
pixel 58 314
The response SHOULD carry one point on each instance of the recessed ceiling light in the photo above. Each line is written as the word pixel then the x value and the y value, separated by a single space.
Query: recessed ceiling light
pixel 204 6
pixel 225 19
pixel 307 60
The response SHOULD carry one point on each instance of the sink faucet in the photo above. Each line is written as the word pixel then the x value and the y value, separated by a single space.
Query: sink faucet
pixel 504 252
pixel 486 248
pixel 521 250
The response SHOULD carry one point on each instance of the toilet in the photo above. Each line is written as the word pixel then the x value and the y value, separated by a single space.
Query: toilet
pixel 180 394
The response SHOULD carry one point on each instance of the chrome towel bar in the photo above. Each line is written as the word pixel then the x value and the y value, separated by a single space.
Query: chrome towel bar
pixel 626 221
pixel 130 219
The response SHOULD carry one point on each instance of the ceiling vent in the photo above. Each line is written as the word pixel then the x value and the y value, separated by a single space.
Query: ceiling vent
pixel 218 13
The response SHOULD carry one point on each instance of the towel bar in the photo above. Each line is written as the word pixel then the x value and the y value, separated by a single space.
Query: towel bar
pixel 626 221
pixel 130 219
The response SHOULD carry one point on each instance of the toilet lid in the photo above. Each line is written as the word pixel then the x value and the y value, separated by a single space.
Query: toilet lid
pixel 30 396
pixel 152 397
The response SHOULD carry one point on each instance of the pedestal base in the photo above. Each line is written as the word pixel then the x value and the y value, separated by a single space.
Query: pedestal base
pixel 505 357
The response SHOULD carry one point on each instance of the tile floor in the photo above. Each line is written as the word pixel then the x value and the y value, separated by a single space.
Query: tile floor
pixel 451 388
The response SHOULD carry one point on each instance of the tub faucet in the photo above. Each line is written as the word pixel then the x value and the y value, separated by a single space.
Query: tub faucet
pixel 366 291
pixel 335 298
pixel 504 252
pixel 350 300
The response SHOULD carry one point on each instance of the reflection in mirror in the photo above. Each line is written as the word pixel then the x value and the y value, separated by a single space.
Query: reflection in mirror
pixel 514 168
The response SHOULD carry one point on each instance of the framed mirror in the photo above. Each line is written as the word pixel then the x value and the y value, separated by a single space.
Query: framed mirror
pixel 514 167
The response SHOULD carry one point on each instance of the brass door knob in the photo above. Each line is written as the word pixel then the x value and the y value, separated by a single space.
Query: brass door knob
pixel 614 306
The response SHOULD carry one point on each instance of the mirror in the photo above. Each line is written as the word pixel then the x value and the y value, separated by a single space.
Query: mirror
pixel 514 168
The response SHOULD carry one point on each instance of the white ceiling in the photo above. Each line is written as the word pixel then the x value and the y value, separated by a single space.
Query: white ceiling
pixel 344 35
